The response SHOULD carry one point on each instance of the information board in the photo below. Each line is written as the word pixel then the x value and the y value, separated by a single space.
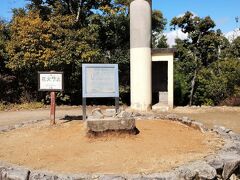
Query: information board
pixel 50 81
pixel 100 80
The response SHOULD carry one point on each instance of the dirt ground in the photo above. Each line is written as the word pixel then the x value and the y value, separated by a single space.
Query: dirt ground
pixel 210 116
pixel 16 117
pixel 160 146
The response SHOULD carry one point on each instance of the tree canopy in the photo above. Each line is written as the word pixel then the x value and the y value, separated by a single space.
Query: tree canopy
pixel 63 34
pixel 203 60
pixel 60 35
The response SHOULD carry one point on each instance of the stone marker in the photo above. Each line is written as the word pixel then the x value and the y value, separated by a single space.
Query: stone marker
pixel 110 124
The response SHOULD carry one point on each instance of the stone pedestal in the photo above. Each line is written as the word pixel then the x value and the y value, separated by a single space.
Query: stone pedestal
pixel 110 124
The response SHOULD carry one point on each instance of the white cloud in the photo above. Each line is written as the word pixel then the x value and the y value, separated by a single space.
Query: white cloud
pixel 232 34
pixel 173 35
pixel 181 15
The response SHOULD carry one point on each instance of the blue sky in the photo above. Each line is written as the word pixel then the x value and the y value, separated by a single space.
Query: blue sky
pixel 223 12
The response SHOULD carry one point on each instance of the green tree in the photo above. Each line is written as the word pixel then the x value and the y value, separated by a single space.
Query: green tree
pixel 218 82
pixel 4 33
pixel 8 84
pixel 235 48
pixel 199 50
pixel 63 34
pixel 159 40
pixel 80 9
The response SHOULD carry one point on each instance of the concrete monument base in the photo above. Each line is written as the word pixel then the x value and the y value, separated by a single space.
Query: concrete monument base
pixel 110 124
pixel 161 107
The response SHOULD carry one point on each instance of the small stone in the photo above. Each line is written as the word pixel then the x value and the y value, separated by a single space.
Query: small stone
pixel 199 126
pixel 234 136
pixel 233 147
pixel 216 163
pixel 228 156
pixel 172 117
pixel 197 170
pixel 4 128
pixel 165 176
pixel 97 113
pixel 2 168
pixel 221 129
pixel 110 112
pixel 229 168
pixel 186 120
pixel 17 126
pixel 16 174
pixel 111 177
pixel 38 175
pixel 137 114
pixel 134 176
pixel 233 177
pixel 80 177
pixel 124 114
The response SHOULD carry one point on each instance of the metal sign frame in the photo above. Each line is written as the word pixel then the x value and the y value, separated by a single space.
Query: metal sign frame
pixel 86 95
pixel 50 72
pixel 99 94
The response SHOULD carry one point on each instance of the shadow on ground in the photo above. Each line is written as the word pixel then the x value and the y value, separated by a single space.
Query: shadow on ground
pixel 71 118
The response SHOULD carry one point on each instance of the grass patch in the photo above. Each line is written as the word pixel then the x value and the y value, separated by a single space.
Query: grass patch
pixel 22 106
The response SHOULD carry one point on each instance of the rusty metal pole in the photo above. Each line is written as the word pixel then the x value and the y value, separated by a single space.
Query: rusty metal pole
pixel 53 108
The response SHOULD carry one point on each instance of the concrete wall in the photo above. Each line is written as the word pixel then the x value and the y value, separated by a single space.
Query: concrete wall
pixel 168 56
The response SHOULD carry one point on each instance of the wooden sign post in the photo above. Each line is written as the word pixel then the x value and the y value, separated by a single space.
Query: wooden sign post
pixel 51 81
pixel 53 108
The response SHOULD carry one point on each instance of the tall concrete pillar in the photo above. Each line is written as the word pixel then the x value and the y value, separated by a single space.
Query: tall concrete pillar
pixel 140 54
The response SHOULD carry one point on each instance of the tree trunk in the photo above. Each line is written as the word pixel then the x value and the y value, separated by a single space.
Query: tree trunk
pixel 192 87
pixel 79 10
pixel 70 7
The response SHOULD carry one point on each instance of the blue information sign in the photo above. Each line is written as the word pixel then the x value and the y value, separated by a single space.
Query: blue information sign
pixel 100 80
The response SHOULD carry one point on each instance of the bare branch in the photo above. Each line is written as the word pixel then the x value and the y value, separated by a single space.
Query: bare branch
pixel 79 10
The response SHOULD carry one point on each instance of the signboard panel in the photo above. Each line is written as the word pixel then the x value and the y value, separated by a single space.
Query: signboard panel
pixel 100 80
pixel 50 81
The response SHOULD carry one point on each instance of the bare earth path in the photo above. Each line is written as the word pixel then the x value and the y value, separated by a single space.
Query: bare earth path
pixel 16 117
pixel 160 146
pixel 210 116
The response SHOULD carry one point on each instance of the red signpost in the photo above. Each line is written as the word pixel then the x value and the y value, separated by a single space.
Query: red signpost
pixel 51 81
pixel 53 108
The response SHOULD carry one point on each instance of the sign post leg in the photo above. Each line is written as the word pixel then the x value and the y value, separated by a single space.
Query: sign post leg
pixel 53 108
pixel 116 104
pixel 84 108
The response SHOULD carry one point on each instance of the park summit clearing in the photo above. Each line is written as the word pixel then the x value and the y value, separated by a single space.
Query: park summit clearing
pixel 160 146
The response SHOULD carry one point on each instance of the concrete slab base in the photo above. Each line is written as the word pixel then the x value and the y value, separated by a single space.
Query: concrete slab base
pixel 161 107
pixel 110 124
